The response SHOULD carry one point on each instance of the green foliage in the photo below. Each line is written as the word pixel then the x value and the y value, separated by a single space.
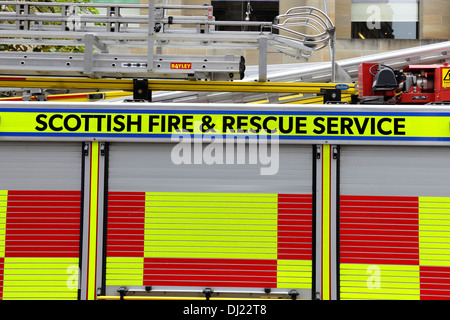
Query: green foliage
pixel 45 9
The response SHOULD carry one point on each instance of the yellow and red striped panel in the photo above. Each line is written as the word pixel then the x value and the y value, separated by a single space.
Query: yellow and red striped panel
pixel 394 247
pixel 209 239
pixel 39 244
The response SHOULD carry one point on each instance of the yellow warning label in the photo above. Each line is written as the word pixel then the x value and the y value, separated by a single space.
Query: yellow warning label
pixel 446 77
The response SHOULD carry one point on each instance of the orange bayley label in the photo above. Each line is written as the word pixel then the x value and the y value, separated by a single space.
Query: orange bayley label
pixel 180 65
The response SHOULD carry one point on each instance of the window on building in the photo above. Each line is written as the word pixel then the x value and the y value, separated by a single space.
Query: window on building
pixel 256 10
pixel 385 19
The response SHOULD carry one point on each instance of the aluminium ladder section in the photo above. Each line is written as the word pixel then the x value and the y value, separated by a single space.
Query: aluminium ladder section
pixel 99 34
pixel 164 30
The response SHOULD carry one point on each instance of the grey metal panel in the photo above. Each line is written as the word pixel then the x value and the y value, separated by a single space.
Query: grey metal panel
pixel 394 218
pixel 42 183
pixel 40 166
pixel 232 214
pixel 399 171
pixel 149 167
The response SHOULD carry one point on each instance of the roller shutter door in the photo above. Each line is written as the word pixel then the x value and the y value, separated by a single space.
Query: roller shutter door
pixel 184 228
pixel 394 223
pixel 40 201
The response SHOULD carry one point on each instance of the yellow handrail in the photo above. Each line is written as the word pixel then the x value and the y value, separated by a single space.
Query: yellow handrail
pixel 170 85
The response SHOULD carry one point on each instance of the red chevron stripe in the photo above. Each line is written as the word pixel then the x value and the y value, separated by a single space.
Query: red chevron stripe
pixel 210 272
pixel 43 223
pixel 126 219
pixel 294 220
pixel 379 230
pixel 434 283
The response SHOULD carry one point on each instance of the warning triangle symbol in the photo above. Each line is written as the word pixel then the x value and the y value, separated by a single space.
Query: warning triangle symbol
pixel 447 76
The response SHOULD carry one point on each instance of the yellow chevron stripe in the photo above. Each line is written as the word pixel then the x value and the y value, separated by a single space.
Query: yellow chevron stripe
pixel 39 295
pixel 226 253
pixel 434 231
pixel 31 261
pixel 221 240
pixel 294 274
pixel 217 226
pixel 217 245
pixel 201 233
pixel 210 219
pixel 124 271
pixel 214 227
pixel 364 281
pixel 40 278
pixel 210 197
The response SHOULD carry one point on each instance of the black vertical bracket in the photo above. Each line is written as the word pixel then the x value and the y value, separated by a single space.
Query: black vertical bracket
pixel 123 292
pixel 208 293
pixel 294 294
pixel 331 95
pixel 85 149
pixel 335 152
pixel 141 93
pixel 318 152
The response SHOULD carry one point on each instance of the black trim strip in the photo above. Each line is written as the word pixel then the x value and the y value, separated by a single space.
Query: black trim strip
pixel 80 258
pixel 105 218
pixel 338 203
pixel 314 222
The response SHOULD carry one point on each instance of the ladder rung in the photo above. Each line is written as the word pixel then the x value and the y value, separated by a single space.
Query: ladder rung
pixel 123 66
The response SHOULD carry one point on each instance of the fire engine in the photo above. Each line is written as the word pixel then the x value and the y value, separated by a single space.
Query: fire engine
pixel 285 200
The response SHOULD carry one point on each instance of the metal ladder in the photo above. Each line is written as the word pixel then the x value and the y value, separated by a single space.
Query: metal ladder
pixel 285 81
pixel 72 24
pixel 347 72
